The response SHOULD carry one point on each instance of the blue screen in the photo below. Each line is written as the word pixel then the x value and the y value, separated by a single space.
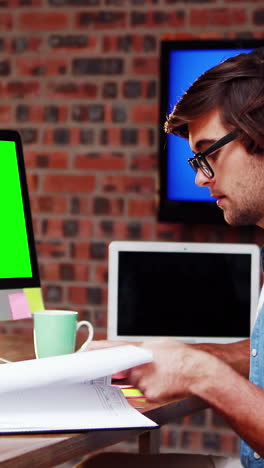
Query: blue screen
pixel 184 67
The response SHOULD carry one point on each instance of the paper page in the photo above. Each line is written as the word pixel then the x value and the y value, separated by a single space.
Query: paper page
pixel 106 380
pixel 76 407
pixel 70 368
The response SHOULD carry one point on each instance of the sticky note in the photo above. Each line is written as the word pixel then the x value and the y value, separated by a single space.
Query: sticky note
pixel 131 392
pixel 19 306
pixel 34 298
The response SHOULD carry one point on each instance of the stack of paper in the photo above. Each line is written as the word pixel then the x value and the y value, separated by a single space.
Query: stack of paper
pixel 61 393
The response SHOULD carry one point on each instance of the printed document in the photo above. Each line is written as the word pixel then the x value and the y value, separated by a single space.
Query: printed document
pixel 62 393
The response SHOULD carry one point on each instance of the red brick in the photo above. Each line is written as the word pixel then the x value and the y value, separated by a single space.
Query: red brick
pixel 100 318
pixel 218 16
pixel 74 136
pixel 145 113
pixel 20 3
pixel 72 89
pixel 121 231
pixel 191 440
pixel 77 295
pixel 6 22
pixel 104 296
pixel 141 208
pixel 100 334
pixel 113 43
pixel 103 205
pixel 113 135
pixel 101 274
pixel 176 19
pixel 165 436
pixel 108 113
pixel 43 21
pixel 49 204
pixel 5 114
pixel 43 66
pixel 69 183
pixel 82 250
pixel 32 181
pixel 81 205
pixel 104 162
pixel 144 137
pixel 110 43
pixel 154 18
pixel 144 162
pixel 145 65
pixel 101 20
pixel 85 228
pixel 34 44
pixel 53 228
pixel 185 35
pixel 170 36
pixel 46 248
pixel 244 1
pixel 145 86
pixel 53 159
pixel 229 443
pixel 91 46
pixel 168 231
pixel 20 89
pixel 81 272
pixel 51 272
pixel 128 184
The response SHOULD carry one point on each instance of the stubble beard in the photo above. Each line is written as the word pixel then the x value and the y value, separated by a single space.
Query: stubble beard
pixel 246 217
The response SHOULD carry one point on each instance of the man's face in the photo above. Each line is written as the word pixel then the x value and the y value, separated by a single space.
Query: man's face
pixel 238 182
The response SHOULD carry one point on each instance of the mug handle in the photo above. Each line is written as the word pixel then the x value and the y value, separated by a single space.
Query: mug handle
pixel 85 323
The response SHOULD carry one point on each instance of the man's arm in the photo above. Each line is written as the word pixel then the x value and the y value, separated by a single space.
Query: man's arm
pixel 184 370
pixel 235 354
pixel 239 401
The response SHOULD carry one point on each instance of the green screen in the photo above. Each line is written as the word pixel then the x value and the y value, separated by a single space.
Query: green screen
pixel 15 259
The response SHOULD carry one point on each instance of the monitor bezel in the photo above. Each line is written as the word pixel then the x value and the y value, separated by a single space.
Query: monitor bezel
pixel 178 211
pixel 116 247
pixel 34 280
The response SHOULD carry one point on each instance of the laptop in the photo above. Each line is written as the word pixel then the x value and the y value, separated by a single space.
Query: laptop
pixel 20 292
pixel 195 292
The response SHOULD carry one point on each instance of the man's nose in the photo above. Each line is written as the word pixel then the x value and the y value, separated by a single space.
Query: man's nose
pixel 201 179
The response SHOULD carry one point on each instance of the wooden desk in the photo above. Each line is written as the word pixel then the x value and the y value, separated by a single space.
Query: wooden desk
pixel 44 451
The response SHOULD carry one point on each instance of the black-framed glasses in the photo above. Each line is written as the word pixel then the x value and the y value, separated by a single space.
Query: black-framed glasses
pixel 199 162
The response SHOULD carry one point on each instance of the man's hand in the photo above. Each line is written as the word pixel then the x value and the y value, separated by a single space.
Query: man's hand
pixel 175 368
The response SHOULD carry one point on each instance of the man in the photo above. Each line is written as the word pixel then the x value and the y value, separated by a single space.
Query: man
pixel 222 115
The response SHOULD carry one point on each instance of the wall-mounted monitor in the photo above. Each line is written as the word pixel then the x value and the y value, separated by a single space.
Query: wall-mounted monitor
pixel 181 63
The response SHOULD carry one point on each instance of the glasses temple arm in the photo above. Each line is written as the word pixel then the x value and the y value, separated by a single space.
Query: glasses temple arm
pixel 218 144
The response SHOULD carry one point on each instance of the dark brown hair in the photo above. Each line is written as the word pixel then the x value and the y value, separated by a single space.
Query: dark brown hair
pixel 236 87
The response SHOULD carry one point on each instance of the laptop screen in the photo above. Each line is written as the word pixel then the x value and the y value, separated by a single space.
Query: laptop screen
pixel 189 291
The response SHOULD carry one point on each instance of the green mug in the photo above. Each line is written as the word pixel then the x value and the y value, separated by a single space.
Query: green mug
pixel 55 332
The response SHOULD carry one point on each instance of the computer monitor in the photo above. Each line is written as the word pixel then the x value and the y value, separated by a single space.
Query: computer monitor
pixel 20 293
pixel 194 292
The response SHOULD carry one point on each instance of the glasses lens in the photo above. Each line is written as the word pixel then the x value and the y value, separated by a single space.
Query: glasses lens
pixel 204 166
pixel 194 164
pixel 198 162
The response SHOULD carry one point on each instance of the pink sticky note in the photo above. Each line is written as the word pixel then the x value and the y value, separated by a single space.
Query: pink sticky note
pixel 19 306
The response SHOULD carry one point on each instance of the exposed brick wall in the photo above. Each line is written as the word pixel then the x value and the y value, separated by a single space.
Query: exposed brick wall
pixel 79 79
